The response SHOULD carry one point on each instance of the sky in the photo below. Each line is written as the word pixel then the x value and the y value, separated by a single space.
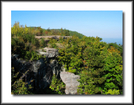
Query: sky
pixel 104 24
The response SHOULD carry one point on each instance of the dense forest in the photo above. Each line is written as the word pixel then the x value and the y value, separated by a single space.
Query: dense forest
pixel 99 65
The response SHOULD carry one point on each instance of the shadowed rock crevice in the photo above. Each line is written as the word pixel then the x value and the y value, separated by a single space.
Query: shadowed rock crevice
pixel 39 71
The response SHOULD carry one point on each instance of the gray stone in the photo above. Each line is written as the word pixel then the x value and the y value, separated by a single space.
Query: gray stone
pixel 53 37
pixel 60 45
pixel 63 68
pixel 48 52
pixel 71 82
pixel 56 68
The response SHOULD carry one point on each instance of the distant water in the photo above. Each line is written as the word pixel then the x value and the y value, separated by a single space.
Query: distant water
pixel 113 40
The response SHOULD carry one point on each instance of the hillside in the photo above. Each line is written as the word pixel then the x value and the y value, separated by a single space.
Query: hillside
pixel 62 32
pixel 98 64
pixel 72 33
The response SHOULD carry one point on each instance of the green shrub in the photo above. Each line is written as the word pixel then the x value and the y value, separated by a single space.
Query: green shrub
pixel 57 85
pixel 18 86
pixel 113 92
pixel 42 43
pixel 52 42
pixel 32 56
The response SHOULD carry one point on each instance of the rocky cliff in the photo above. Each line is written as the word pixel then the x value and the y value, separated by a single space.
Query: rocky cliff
pixel 42 70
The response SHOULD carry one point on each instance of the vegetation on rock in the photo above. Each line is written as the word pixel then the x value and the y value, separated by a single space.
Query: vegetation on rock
pixel 100 65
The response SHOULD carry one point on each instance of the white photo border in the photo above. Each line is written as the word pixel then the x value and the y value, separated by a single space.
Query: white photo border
pixel 7 7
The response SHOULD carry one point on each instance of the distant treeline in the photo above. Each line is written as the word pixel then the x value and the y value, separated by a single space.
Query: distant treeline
pixel 38 31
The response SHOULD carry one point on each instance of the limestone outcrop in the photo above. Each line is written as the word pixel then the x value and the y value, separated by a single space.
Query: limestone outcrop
pixel 42 70
pixel 53 37
pixel 48 52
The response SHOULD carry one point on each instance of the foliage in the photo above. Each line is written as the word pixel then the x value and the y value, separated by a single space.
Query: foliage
pixel 113 92
pixel 87 85
pixel 74 33
pixel 18 87
pixel 32 55
pixel 100 65
pixel 116 46
pixel 52 42
pixel 57 85
pixel 38 31
pixel 42 43
pixel 67 33
pixel 24 43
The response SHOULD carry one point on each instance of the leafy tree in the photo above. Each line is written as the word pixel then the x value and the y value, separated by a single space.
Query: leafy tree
pixel 67 33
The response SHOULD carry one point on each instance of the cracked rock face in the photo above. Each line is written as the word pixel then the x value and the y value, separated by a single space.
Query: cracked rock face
pixel 56 68
pixel 71 82
pixel 38 70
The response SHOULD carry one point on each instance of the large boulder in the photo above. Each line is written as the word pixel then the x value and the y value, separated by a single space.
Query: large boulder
pixel 71 82
pixel 48 52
